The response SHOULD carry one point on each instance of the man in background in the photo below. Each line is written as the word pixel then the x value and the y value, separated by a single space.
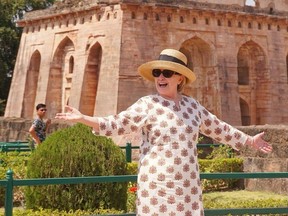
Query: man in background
pixel 39 126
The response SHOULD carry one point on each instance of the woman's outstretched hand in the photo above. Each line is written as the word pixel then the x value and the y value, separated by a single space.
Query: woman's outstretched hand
pixel 71 114
pixel 258 143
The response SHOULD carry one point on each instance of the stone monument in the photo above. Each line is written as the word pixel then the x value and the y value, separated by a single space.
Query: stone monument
pixel 86 54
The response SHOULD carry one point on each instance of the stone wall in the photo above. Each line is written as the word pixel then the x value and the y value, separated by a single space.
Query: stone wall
pixel 277 161
pixel 16 129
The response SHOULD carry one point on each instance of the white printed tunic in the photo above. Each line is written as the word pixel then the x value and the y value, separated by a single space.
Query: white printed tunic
pixel 168 176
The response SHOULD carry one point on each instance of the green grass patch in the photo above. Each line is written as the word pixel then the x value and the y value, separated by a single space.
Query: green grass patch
pixel 243 199
pixel 212 200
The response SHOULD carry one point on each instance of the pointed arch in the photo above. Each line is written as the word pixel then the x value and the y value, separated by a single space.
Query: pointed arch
pixel 31 85
pixel 287 68
pixel 90 81
pixel 252 73
pixel 60 77
pixel 202 62
pixel 245 113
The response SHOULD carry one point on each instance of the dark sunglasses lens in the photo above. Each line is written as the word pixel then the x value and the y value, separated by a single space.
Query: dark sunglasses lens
pixel 42 110
pixel 168 73
pixel 156 72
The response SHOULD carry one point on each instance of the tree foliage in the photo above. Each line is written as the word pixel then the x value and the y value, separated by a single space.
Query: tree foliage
pixel 10 34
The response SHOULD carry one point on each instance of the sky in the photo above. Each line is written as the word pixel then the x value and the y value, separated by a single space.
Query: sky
pixel 250 2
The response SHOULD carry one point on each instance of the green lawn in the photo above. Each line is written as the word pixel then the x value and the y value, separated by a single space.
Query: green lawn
pixel 242 199
pixel 231 199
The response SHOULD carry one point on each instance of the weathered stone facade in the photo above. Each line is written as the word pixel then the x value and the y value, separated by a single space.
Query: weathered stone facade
pixel 86 55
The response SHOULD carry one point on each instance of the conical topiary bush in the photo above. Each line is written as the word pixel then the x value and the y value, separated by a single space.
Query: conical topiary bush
pixel 76 152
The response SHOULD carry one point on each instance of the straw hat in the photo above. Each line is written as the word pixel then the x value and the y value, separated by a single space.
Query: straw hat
pixel 169 59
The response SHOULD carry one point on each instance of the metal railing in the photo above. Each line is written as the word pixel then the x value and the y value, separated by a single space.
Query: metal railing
pixel 21 146
pixel 10 183
pixel 128 149
pixel 18 146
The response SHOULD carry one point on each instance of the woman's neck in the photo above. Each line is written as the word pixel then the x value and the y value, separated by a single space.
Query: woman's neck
pixel 176 98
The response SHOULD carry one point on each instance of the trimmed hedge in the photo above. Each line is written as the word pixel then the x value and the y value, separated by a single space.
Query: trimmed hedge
pixel 76 152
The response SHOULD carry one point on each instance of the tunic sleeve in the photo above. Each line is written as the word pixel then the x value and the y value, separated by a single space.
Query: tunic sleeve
pixel 220 131
pixel 129 121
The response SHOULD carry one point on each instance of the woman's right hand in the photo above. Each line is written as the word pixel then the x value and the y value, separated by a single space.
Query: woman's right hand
pixel 72 114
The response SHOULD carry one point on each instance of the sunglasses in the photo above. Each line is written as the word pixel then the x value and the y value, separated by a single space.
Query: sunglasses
pixel 42 110
pixel 166 73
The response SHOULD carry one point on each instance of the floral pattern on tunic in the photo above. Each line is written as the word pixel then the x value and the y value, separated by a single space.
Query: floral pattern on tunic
pixel 168 176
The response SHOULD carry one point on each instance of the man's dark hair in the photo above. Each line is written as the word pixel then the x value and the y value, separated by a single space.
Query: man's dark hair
pixel 39 106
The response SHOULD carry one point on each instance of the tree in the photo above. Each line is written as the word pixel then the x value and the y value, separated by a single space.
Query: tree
pixel 11 11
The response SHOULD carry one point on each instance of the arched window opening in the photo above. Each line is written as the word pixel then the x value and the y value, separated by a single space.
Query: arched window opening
pixel 168 18
pixel 157 17
pixel 194 20
pixel 245 114
pixel 219 22
pixel 133 15
pixel 229 23
pixel 287 67
pixel 243 70
pixel 181 19
pixel 239 24
pixel 71 64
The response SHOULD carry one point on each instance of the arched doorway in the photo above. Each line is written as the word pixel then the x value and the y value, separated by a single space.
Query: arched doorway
pixel 90 81
pixel 60 77
pixel 31 85
pixel 252 76
pixel 245 113
pixel 201 60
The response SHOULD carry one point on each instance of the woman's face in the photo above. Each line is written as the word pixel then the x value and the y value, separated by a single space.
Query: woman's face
pixel 166 85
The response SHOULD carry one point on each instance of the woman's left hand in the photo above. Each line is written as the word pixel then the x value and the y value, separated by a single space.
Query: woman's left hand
pixel 258 143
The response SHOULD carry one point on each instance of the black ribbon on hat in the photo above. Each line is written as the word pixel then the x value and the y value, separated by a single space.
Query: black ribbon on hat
pixel 172 59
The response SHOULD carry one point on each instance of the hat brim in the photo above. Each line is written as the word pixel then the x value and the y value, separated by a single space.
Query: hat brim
pixel 145 70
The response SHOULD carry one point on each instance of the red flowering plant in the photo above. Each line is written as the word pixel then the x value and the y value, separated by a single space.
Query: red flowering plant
pixel 131 197
pixel 133 189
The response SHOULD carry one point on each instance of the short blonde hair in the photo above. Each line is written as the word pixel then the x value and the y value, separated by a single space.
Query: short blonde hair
pixel 181 86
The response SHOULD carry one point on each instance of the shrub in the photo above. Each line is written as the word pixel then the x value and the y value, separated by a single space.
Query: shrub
pixel 2 189
pixel 76 152
pixel 132 169
pixel 220 165
pixel 17 162
pixel 49 212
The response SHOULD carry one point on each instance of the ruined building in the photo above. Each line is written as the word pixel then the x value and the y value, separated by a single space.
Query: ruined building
pixel 86 54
